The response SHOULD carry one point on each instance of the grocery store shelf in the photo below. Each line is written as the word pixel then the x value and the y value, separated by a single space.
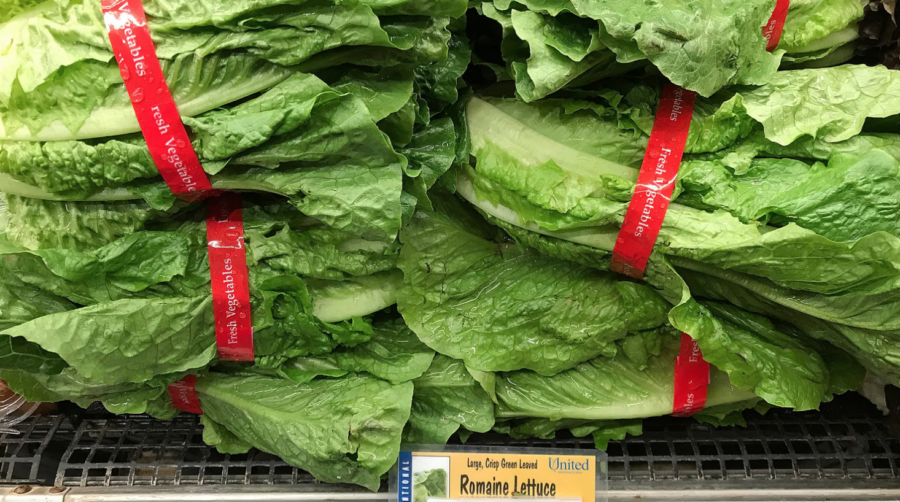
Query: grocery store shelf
pixel 288 493
pixel 846 452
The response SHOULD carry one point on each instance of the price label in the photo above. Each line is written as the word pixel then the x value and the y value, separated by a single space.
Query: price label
pixel 487 473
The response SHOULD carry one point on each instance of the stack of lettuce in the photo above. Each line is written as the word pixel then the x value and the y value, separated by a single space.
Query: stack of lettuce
pixel 778 254
pixel 104 281
pixel 342 123
pixel 264 90
pixel 786 201
pixel 563 345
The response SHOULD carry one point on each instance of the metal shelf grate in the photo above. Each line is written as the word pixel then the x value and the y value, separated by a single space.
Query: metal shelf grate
pixel 848 440
pixel 779 446
pixel 141 451
pixel 23 451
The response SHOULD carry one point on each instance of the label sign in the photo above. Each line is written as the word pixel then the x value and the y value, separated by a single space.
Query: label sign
pixel 773 29
pixel 157 115
pixel 691 379
pixel 655 183
pixel 230 283
pixel 514 473
pixel 184 396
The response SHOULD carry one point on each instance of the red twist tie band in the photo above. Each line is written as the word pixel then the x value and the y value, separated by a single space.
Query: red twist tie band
pixel 184 395
pixel 691 379
pixel 157 115
pixel 773 29
pixel 655 183
pixel 230 283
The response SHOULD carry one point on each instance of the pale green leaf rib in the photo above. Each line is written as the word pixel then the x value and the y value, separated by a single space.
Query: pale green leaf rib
pixel 107 122
pixel 336 301
pixel 530 146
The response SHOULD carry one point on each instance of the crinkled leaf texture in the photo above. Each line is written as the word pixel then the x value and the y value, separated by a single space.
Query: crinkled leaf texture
pixel 69 385
pixel 344 430
pixel 605 389
pixel 501 307
pixel 299 139
pixel 447 398
pixel 140 305
pixel 543 168
pixel 828 103
pixel 393 354
pixel 768 360
pixel 58 76
pixel 603 431
pixel 810 21
pixel 128 340
pixel 700 45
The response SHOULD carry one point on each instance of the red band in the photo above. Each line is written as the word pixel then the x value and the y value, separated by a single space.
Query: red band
pixel 691 379
pixel 157 115
pixel 184 396
pixel 655 183
pixel 230 284
pixel 772 30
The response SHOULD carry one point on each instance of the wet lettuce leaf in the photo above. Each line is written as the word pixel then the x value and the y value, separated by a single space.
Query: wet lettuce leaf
pixel 343 430
pixel 501 307
pixel 447 399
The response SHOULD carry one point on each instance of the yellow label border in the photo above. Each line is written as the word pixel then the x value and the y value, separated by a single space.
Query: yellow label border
pixel 489 472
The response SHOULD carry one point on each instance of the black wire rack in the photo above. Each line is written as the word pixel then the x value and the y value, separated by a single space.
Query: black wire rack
pixel 141 451
pixel 26 455
pixel 848 440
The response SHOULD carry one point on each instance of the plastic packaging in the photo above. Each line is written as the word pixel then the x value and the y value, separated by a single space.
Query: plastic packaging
pixel 14 409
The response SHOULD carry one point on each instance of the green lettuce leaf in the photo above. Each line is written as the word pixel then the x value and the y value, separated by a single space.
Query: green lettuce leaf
pixel 559 50
pixel 393 353
pixel 88 99
pixel 140 306
pixel 298 139
pixel 447 398
pixel 755 355
pixel 811 22
pixel 80 226
pixel 844 201
pixel 15 7
pixel 344 430
pixel 221 438
pixel 549 317
pixel 563 39
pixel 335 301
pixel 69 385
pixel 69 40
pixel 790 106
pixel 534 170
pixel 875 349
pixel 768 360
pixel 128 340
pixel 431 483
pixel 603 431
pixel 431 152
pixel 605 389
